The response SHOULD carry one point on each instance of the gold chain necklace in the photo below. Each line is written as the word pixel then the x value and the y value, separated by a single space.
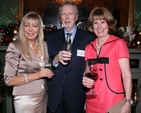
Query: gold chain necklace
pixel 35 49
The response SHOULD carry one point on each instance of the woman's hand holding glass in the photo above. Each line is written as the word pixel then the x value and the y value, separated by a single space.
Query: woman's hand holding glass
pixel 91 76
pixel 44 73
pixel 87 82
pixel 46 70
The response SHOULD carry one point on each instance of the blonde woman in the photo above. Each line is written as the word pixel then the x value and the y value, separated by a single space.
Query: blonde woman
pixel 24 66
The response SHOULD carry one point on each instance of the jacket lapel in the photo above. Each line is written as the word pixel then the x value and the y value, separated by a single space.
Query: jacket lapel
pixel 60 41
pixel 77 39
pixel 33 57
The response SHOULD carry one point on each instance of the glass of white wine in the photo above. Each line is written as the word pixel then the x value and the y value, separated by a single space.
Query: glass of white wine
pixel 48 65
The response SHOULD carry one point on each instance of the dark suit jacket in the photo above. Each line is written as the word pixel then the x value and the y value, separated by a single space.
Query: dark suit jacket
pixel 69 77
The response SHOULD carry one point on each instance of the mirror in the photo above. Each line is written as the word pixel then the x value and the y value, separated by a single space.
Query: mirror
pixel 130 12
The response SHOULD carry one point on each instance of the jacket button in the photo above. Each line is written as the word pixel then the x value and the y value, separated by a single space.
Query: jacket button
pixel 100 69
pixel 101 79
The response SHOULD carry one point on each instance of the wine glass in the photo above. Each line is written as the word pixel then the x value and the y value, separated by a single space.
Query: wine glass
pixel 67 47
pixel 91 72
pixel 48 65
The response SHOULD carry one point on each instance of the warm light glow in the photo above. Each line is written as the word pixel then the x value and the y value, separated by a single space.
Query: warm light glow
pixel 140 32
pixel 14 39
pixel 138 42
pixel 15 31
pixel 75 1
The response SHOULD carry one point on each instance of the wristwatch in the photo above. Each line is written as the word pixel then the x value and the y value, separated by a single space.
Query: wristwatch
pixel 130 101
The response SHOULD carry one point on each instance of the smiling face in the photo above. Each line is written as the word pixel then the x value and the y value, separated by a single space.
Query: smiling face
pixel 101 21
pixel 31 29
pixel 68 17
pixel 100 28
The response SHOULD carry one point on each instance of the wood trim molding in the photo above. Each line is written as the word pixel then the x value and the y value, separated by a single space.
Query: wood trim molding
pixel 19 15
pixel 131 19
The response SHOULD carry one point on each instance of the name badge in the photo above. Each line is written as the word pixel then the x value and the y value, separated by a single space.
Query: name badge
pixel 80 53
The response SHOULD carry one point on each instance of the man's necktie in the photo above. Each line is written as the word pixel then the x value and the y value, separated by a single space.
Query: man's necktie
pixel 68 45
pixel 68 42
pixel 68 38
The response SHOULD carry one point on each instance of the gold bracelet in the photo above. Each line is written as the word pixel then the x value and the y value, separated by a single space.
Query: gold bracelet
pixel 26 79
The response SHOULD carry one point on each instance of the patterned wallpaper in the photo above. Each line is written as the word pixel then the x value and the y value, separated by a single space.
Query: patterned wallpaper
pixel 137 12
pixel 8 10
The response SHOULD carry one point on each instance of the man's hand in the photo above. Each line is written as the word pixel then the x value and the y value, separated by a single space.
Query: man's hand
pixel 62 56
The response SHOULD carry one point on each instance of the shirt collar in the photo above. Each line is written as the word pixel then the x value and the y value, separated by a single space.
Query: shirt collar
pixel 73 31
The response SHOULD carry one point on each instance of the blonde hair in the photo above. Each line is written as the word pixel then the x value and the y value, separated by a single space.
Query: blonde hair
pixel 40 38
pixel 101 13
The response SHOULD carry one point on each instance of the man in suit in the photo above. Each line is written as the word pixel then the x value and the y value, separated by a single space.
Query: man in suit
pixel 66 93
